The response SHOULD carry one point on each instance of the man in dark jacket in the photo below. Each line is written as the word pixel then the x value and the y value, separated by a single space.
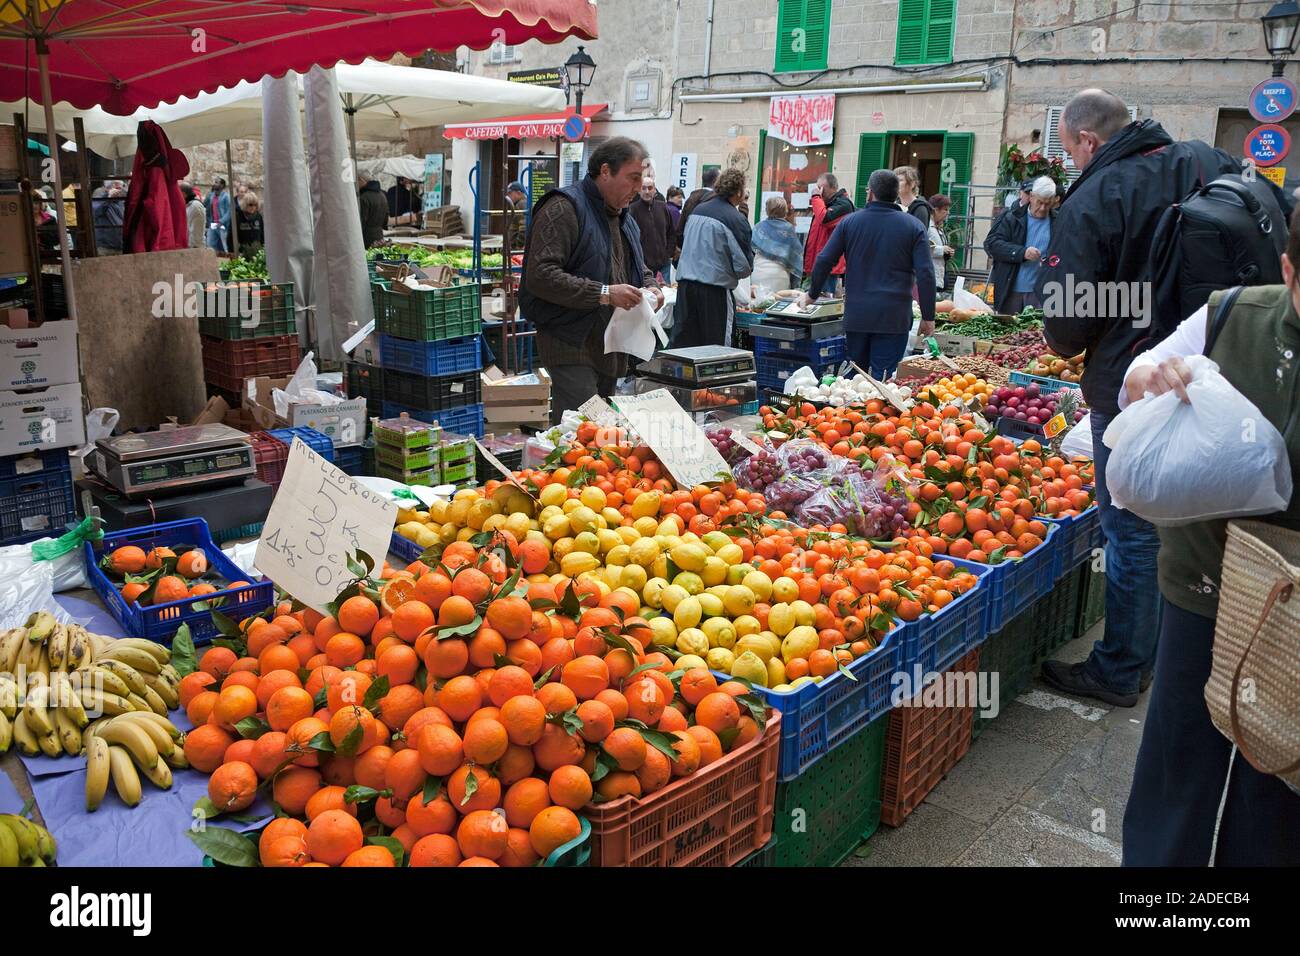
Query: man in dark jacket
pixel 583 259
pixel 1016 244
pixel 887 252
pixel 716 255
pixel 373 206
pixel 403 200
pixel 1096 296
pixel 658 238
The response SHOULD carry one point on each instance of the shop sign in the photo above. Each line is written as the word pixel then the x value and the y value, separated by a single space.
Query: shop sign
pixel 802 119
pixel 684 175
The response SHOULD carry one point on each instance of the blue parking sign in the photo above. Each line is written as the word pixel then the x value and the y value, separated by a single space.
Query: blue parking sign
pixel 1273 100
pixel 1267 145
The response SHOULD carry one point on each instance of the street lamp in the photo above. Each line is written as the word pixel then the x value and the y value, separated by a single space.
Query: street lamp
pixel 580 68
pixel 1280 26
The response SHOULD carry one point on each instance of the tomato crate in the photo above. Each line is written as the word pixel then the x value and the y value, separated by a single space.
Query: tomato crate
pixel 318 442
pixel 921 745
pixel 159 622
pixel 431 358
pixel 1010 654
pixel 428 477
pixel 456 449
pixel 822 815
pixel 1076 539
pixel 34 462
pixel 269 455
pixel 938 640
pixel 437 393
pixel 466 421
pixel 771 371
pixel 226 362
pixel 717 816
pixel 1092 600
pixel 833 349
pixel 1016 584
pixel 820 716
pixel 430 315
pixel 247 310
pixel 365 381
pixel 459 473
pixel 37 505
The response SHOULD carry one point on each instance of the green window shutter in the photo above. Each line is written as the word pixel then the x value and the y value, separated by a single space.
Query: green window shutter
pixel 872 149
pixel 925 31
pixel 960 149
pixel 807 51
pixel 758 186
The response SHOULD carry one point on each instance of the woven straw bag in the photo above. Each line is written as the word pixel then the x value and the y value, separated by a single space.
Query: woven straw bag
pixel 1253 693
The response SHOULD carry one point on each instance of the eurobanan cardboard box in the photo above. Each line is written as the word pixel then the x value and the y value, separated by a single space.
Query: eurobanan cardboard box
pixel 38 355
pixel 344 423
pixel 41 418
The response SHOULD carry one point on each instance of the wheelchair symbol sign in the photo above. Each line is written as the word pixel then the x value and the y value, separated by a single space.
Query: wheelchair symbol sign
pixel 1273 100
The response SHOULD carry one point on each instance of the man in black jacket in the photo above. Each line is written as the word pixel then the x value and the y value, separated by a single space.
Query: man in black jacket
pixel 372 204
pixel 1017 254
pixel 1096 296
pixel 658 238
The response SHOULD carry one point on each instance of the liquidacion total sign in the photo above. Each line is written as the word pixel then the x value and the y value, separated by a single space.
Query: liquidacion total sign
pixel 802 119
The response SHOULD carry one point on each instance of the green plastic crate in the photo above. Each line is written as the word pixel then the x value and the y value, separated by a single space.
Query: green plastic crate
pixel 454 474
pixel 823 814
pixel 765 857
pixel 275 312
pixel 406 433
pixel 1092 599
pixel 430 315
pixel 427 476
pixel 1010 654
pixel 455 449
pixel 410 459
pixel 1056 615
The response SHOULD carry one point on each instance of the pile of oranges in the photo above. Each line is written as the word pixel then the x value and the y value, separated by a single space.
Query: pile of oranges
pixel 161 574
pixel 459 710
pixel 976 495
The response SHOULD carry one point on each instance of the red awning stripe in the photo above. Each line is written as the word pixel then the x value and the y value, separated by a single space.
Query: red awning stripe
pixel 520 127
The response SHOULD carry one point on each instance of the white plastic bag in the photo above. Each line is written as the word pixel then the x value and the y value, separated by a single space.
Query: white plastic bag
pixel 961 299
pixel 64 556
pixel 1077 442
pixel 633 330
pixel 1173 463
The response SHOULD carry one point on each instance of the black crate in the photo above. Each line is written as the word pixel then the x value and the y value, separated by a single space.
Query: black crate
pixel 365 381
pixel 445 391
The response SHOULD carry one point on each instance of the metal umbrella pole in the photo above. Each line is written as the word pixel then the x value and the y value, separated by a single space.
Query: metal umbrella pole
pixel 43 61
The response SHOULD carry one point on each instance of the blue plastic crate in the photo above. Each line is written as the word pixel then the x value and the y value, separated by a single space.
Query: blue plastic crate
pixel 467 420
pixel 833 349
pixel 404 548
pixel 771 371
pixel 1076 539
pixel 749 408
pixel 253 530
pixel 431 358
pixel 37 505
pixel 818 717
pixel 50 459
pixel 318 442
pixel 1016 584
pixel 939 640
pixel 349 460
pixel 159 622
pixel 1046 386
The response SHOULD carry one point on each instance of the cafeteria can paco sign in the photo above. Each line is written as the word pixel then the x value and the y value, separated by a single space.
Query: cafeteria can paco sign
pixel 802 119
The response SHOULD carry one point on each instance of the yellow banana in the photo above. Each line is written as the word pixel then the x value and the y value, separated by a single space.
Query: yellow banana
pixel 133 679
pixel 11 643
pixel 155 701
pixel 29 659
pixel 27 743
pixel 150 717
pixel 125 779
pixel 162 739
pixel 8 848
pixel 40 625
pixel 36 710
pixel 8 696
pixel 104 703
pixel 43 664
pixel 98 678
pixel 134 738
pixel 56 646
pixel 160 776
pixel 158 652
pixel 137 702
pixel 68 732
pixel 137 657
pixel 97 771
pixel 178 760
pixel 166 693
pixel 6 733
pixel 26 834
pixel 50 744
pixel 65 698
pixel 78 647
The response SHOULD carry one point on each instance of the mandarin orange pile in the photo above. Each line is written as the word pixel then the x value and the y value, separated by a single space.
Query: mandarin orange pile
pixel 976 495
pixel 452 715
pixel 162 574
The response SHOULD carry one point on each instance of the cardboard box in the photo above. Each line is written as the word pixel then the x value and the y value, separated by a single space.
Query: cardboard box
pixel 15 257
pixel 39 355
pixel 495 414
pixel 953 345
pixel 10 156
pixel 41 418
pixel 528 388
pixel 344 422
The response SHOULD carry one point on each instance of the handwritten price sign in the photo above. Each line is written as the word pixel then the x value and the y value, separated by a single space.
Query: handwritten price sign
pixel 319 517
pixel 802 119
pixel 673 435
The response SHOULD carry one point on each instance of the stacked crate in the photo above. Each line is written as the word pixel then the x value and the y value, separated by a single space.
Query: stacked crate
pixel 422 453
pixel 430 349
pixel 36 498
pixel 239 342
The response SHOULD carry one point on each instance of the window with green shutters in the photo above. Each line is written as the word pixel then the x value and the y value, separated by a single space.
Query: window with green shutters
pixel 803 30
pixel 925 31
pixel 873 150
pixel 958 157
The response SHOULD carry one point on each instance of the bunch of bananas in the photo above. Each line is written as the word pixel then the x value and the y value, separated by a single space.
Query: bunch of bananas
pixel 67 674
pixel 117 746
pixel 24 843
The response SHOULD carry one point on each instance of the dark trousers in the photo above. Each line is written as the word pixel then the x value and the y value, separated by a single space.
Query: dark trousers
pixel 571 385
pixel 1182 765
pixel 877 352
pixel 701 316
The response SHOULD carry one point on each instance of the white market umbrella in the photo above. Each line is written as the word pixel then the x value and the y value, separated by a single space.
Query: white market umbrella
pixel 386 101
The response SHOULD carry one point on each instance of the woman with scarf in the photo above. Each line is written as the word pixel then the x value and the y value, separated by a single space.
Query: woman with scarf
pixel 778 249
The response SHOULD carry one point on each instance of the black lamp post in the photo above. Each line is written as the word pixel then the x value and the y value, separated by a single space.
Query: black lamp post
pixel 580 68
pixel 1281 24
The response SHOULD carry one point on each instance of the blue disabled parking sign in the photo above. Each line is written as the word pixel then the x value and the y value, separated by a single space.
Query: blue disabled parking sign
pixel 1273 100
pixel 1267 145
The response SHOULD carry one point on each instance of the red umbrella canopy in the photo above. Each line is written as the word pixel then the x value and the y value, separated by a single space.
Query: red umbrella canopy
pixel 124 54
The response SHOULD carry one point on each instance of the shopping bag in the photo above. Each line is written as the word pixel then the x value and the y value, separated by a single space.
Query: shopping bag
pixel 1215 456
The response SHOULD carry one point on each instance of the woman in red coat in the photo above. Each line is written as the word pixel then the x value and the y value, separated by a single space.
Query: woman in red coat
pixel 155 209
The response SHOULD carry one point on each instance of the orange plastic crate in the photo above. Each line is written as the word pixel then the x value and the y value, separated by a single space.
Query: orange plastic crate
pixel 715 817
pixel 921 746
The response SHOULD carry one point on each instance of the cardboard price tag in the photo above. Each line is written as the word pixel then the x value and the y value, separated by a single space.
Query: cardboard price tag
pixel 673 435
pixel 499 465
pixel 598 410
pixel 1054 425
pixel 744 442
pixel 320 517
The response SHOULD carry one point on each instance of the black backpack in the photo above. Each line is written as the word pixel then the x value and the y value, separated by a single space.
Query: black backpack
pixel 1227 232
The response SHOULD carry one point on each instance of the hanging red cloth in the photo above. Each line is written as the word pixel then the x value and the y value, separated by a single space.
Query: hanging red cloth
pixel 155 208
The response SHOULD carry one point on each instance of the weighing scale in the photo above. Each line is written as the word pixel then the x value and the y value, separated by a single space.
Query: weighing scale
pixel 173 461
pixel 701 365
pixel 788 310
